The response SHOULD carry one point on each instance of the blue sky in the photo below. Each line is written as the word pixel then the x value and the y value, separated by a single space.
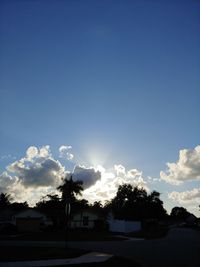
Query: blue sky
pixel 116 80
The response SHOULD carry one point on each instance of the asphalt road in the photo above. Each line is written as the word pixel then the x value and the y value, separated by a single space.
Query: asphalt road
pixel 180 248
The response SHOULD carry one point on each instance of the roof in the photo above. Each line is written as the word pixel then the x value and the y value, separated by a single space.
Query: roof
pixel 30 212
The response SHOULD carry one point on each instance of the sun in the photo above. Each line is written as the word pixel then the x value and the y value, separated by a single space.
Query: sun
pixel 96 157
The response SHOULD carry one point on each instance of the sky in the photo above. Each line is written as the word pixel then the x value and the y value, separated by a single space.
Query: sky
pixel 107 90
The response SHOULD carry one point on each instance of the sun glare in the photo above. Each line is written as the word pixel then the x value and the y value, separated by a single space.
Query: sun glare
pixel 96 157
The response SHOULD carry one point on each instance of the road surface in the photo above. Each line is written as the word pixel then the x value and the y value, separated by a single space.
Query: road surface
pixel 180 248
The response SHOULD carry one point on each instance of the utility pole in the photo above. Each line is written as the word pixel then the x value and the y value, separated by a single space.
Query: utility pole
pixel 67 212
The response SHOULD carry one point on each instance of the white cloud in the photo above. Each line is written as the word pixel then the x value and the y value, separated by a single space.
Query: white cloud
pixel 187 168
pixel 185 197
pixel 45 152
pixel 38 174
pixel 38 168
pixel 31 152
pixel 33 175
pixel 152 180
pixel 132 176
pixel 120 170
pixel 7 182
pixel 64 152
pixel 7 157
pixel 106 188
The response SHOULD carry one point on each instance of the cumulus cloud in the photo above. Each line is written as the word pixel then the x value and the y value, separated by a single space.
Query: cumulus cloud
pixel 31 152
pixel 38 173
pixel 132 176
pixel 106 188
pixel 38 168
pixel 120 170
pixel 187 168
pixel 89 176
pixel 7 157
pixel 7 182
pixel 32 176
pixel 64 152
pixel 185 197
pixel 152 180
pixel 12 185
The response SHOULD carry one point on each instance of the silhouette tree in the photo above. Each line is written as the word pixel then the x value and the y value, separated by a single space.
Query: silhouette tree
pixel 70 189
pixel 52 206
pixel 5 200
pixel 49 202
pixel 79 204
pixel 155 206
pixel 179 213
pixel 134 203
pixel 97 205
pixel 18 206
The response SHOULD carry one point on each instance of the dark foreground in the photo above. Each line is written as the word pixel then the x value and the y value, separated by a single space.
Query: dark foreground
pixel 29 253
pixel 18 253
pixel 179 248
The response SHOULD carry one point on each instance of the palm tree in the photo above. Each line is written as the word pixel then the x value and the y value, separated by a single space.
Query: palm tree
pixel 70 188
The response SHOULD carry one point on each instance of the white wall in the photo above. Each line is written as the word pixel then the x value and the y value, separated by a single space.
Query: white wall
pixel 124 226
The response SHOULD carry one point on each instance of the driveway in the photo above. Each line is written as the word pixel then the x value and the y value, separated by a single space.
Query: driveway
pixel 180 248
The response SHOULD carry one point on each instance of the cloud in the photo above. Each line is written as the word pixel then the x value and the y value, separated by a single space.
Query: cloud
pixel 12 185
pixel 7 182
pixel 38 173
pixel 120 170
pixel 64 152
pixel 152 180
pixel 37 168
pixel 132 176
pixel 106 188
pixel 7 157
pixel 31 152
pixel 187 168
pixel 89 176
pixel 32 176
pixel 185 197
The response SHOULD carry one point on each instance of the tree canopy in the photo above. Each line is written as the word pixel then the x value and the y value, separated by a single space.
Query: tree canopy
pixel 5 200
pixel 179 213
pixel 70 189
pixel 134 203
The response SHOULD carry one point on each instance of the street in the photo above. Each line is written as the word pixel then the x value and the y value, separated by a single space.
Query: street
pixel 180 248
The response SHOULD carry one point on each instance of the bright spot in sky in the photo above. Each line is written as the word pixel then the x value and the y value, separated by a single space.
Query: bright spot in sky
pixel 96 157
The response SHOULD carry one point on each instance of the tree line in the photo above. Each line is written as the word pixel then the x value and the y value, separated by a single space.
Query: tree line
pixel 130 203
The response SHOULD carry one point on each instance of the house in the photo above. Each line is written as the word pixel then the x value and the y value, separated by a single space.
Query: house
pixel 7 226
pixel 6 215
pixel 30 220
pixel 88 219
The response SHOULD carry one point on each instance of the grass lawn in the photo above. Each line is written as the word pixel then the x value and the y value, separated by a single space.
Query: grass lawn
pixel 41 253
pixel 37 253
pixel 73 235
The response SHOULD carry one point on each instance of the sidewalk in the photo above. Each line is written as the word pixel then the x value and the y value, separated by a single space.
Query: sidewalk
pixel 86 258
